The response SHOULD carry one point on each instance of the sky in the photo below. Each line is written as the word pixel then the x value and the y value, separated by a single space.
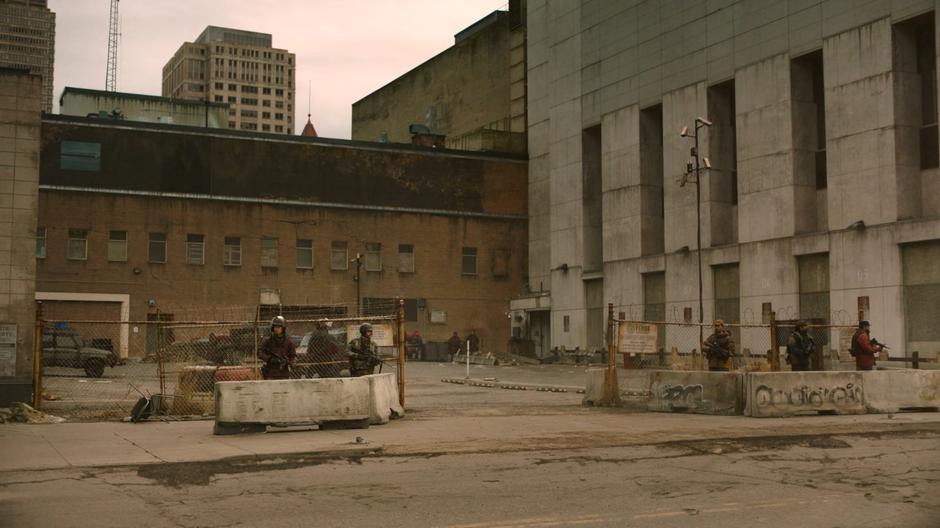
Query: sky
pixel 345 49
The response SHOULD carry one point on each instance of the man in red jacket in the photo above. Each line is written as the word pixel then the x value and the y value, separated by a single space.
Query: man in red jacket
pixel 862 348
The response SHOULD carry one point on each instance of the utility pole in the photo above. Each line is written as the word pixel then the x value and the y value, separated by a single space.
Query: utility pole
pixel 696 168
pixel 110 81
pixel 358 261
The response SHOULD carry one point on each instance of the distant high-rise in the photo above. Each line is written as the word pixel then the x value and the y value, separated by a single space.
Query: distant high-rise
pixel 239 68
pixel 27 40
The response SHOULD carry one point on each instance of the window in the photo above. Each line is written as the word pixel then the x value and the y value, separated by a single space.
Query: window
pixel 232 253
pixel 219 86
pixel 266 128
pixel 249 101
pixel 80 156
pixel 249 113
pixel 157 248
pixel 265 102
pixel 233 87
pixel 304 254
pixel 268 252
pixel 338 255
pixel 500 267
pixel 117 246
pixel 566 323
pixel 406 258
pixel 469 261
pixel 265 115
pixel 278 116
pixel 232 99
pixel 40 242
pixel 78 244
pixel 195 249
pixel 373 256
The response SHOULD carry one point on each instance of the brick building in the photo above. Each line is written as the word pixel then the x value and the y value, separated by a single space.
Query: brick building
pixel 189 221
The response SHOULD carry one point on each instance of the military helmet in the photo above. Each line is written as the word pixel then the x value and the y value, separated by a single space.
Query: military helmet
pixel 279 321
pixel 365 327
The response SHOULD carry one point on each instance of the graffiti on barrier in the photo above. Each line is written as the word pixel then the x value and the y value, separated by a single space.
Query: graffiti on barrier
pixel 685 394
pixel 840 396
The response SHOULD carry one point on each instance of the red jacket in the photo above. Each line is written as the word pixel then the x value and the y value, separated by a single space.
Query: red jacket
pixel 864 350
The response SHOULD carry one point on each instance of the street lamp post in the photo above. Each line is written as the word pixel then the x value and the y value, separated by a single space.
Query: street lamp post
pixel 696 169
pixel 358 261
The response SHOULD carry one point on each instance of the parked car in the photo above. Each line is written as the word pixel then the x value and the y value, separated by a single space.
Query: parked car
pixel 66 348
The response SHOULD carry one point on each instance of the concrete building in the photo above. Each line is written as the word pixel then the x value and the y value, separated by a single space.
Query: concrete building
pixel 135 217
pixel 240 68
pixel 27 40
pixel 20 107
pixel 823 197
pixel 145 108
pixel 472 93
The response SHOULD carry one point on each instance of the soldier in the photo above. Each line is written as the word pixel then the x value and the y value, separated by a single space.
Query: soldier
pixel 800 348
pixel 277 351
pixel 453 345
pixel 719 348
pixel 363 353
pixel 325 351
pixel 863 349
pixel 473 341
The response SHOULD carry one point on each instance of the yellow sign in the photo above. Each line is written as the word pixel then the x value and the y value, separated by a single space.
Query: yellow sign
pixel 637 338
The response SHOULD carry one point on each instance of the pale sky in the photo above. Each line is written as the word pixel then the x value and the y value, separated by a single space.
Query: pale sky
pixel 346 49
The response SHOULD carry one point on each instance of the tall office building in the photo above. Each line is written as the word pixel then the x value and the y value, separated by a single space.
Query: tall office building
pixel 27 41
pixel 240 68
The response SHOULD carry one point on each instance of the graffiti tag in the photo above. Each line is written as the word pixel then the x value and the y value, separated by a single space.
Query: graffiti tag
pixel 805 396
pixel 687 394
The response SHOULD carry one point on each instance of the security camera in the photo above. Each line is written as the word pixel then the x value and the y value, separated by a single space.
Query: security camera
pixel 708 164
pixel 703 121
pixel 685 132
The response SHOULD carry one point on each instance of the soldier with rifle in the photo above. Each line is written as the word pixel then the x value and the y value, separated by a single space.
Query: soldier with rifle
pixel 277 351
pixel 800 348
pixel 363 353
pixel 719 348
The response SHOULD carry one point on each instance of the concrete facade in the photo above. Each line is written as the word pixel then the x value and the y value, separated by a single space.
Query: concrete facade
pixel 473 93
pixel 818 146
pixel 145 108
pixel 240 68
pixel 27 40
pixel 20 108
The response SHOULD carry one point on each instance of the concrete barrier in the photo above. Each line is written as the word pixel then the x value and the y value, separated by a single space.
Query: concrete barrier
pixel 633 384
pixel 792 393
pixel 383 393
pixel 242 406
pixel 889 391
pixel 696 391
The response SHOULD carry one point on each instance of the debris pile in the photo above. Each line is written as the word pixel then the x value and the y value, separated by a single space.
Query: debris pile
pixel 23 413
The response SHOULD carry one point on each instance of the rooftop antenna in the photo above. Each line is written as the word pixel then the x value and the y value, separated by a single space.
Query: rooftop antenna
pixel 110 81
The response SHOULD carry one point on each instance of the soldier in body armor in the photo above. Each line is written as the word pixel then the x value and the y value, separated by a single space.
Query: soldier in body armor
pixel 719 348
pixel 363 353
pixel 800 348
pixel 277 351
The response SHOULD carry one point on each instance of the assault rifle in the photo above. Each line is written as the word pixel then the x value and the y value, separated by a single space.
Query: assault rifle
pixel 877 344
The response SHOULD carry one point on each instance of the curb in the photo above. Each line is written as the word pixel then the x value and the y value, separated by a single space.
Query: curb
pixel 514 386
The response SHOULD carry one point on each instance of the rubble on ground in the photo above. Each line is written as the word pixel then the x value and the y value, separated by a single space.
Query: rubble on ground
pixel 23 413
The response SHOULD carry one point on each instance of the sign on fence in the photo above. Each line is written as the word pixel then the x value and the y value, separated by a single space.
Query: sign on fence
pixel 637 338
pixel 382 334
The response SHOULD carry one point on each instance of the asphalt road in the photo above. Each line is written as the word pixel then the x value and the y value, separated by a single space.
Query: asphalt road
pixel 859 480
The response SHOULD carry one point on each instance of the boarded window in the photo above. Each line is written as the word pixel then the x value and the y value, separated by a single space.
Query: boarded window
pixel 338 256
pixel 304 253
pixel 268 252
pixel 406 258
pixel 195 249
pixel 157 248
pixel 500 265
pixel 373 256
pixel 117 246
pixel 232 252
pixel 922 295
pixel 469 261
pixel 78 244
pixel 80 156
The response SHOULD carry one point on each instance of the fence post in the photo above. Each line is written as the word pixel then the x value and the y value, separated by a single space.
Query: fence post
pixel 161 368
pixel 915 359
pixel 774 351
pixel 37 358
pixel 611 390
pixel 401 352
pixel 254 332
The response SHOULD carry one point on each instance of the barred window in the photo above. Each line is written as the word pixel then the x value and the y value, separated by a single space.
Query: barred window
pixel 406 258
pixel 78 244
pixel 338 257
pixel 373 256
pixel 157 250
pixel 195 249
pixel 304 254
pixel 469 261
pixel 232 252
pixel 268 252
pixel 117 246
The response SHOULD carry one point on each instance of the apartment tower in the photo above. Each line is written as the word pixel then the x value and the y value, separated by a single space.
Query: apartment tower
pixel 240 68
pixel 27 41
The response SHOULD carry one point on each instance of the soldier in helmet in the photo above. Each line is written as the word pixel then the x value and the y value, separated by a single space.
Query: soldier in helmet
pixel 363 353
pixel 277 351
pixel 719 348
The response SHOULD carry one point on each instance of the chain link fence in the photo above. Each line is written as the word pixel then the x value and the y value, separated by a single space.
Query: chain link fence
pixel 98 370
